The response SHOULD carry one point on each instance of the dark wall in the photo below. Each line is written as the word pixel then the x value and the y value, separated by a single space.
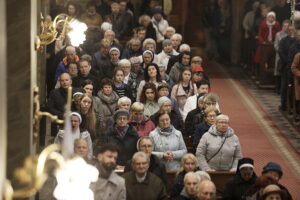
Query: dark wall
pixel 18 83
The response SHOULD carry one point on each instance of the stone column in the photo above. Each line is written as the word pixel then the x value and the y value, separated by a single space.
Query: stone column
pixel 3 121
pixel 19 106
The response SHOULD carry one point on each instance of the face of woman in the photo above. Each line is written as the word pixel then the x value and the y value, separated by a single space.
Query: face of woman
pixel 166 107
pixel 150 47
pixel 72 70
pixel 71 10
pixel 107 90
pixel 271 19
pixel 114 56
pixel 186 76
pixel 88 89
pixel 119 76
pixel 75 122
pixel 150 94
pixel 147 58
pixel 122 121
pixel 124 106
pixel 85 104
pixel 197 76
pixel 189 165
pixel 222 125
pixel 146 146
pixel 164 121
pixel 163 92
pixel 137 115
pixel 211 118
pixel 152 72
pixel 185 59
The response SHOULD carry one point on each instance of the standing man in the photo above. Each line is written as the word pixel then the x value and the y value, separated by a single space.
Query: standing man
pixel 109 185
pixel 142 184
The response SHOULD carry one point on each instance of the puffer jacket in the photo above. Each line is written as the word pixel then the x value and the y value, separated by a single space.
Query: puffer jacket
pixel 227 158
pixel 169 141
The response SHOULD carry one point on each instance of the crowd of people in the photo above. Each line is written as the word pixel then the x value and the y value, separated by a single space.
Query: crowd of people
pixel 136 105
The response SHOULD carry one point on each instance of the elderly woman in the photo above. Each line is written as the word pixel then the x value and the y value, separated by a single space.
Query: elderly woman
pixel 124 103
pixel 219 148
pixel 169 145
pixel 108 103
pixel 165 105
pixel 210 115
pixel 142 124
pixel 189 163
pixel 150 44
pixel 77 133
pixel 109 66
pixel 122 134
pixel 145 144
pixel 134 49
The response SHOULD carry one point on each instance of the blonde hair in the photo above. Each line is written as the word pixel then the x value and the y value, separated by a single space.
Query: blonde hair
pixel 184 159
pixel 137 107
pixel 197 59
pixel 210 109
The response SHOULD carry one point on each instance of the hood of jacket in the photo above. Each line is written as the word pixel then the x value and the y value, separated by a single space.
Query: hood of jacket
pixel 112 99
pixel 213 130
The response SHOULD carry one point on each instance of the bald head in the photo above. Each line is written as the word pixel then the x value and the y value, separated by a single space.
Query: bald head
pixel 207 190
pixel 81 147
pixel 65 80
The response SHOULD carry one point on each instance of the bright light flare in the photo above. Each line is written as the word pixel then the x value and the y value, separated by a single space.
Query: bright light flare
pixel 77 33
pixel 73 180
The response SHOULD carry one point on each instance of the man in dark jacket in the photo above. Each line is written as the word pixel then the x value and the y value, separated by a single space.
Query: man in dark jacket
pixel 244 178
pixel 123 135
pixel 84 74
pixel 142 184
pixel 191 184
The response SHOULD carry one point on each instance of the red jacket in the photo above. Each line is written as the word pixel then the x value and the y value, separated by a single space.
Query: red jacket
pixel 263 31
pixel 143 128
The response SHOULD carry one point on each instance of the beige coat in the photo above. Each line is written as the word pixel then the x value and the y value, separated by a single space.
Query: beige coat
pixel 296 71
pixel 179 94
pixel 112 188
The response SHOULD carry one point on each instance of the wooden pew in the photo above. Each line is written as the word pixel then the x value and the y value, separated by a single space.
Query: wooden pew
pixel 266 66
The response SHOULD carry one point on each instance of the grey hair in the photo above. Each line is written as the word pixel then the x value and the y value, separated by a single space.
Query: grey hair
pixel 179 36
pixel 203 175
pixel 140 154
pixel 211 97
pixel 124 62
pixel 191 174
pixel 184 47
pixel 222 116
pixel 124 99
pixel 171 28
pixel 149 41
pixel 141 139
pixel 71 48
pixel 134 40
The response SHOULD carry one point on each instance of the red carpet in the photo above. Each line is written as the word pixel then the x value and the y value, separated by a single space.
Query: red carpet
pixel 260 139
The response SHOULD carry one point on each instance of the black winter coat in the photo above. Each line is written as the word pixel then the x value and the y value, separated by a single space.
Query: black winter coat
pixel 127 144
pixel 193 118
pixel 236 188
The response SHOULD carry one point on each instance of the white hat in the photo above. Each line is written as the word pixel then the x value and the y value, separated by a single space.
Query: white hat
pixel 271 14
pixel 77 115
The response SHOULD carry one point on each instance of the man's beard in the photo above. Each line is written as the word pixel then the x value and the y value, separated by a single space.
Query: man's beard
pixel 109 166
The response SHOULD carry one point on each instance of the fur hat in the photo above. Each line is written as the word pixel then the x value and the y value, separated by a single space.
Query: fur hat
pixel 157 10
pixel 271 14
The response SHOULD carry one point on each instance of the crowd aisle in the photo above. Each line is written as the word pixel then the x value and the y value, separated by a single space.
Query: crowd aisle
pixel 260 138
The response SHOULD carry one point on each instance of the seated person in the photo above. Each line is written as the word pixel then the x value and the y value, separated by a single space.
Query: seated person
pixel 189 163
pixel 142 184
pixel 149 98
pixel 77 133
pixel 82 149
pixel 274 169
pixel 169 145
pixel 207 190
pixel 219 148
pixel 134 49
pixel 199 75
pixel 191 184
pixel 121 134
pixel 124 103
pixel 145 144
pixel 142 124
pixel 273 192
pixel 245 177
